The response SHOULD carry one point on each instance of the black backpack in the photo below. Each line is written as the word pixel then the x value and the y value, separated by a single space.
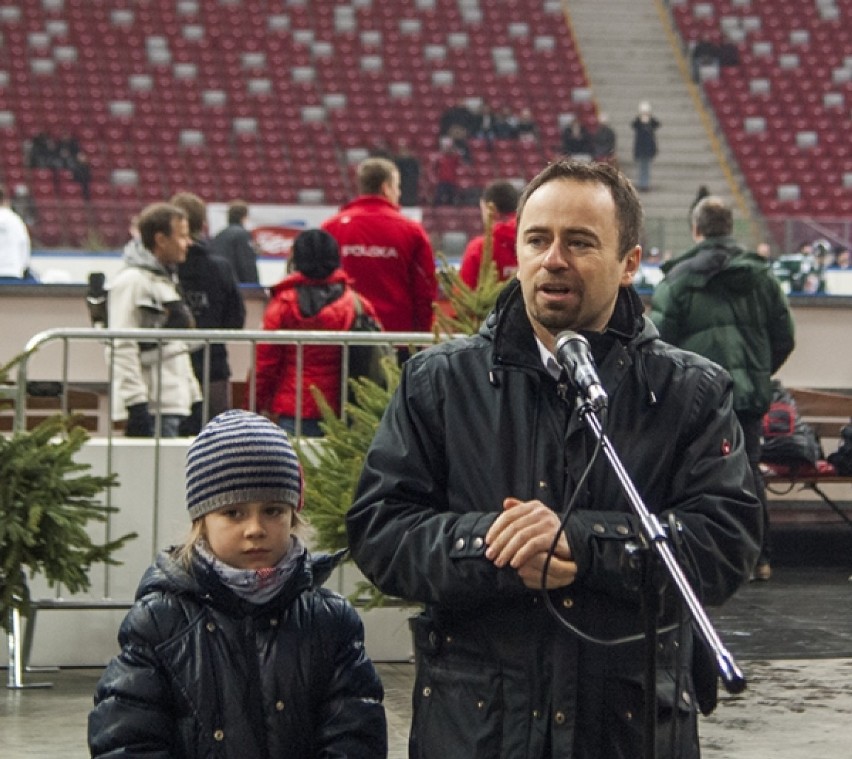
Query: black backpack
pixel 787 438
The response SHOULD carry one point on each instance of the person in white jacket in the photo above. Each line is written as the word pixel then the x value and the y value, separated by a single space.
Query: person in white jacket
pixel 15 246
pixel 151 380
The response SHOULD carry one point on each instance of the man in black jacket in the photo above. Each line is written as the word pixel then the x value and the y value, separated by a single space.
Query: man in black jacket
pixel 234 244
pixel 475 502
pixel 213 295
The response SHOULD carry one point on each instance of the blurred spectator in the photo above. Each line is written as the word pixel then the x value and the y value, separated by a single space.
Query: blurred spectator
pixel 527 129
pixel 387 255
pixel 446 164
pixel 68 150
pixel 603 141
pixel 457 120
pixel 764 250
pixel 498 204
pixel 42 152
pixel 506 124
pixel 703 53
pixel 212 294
pixel 316 296
pixel 409 174
pixel 235 245
pixel 575 139
pixel 843 259
pixel 15 245
pixel 645 127
pixel 81 172
pixel 485 124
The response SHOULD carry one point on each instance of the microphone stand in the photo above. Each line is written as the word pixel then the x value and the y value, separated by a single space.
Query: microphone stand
pixel 656 539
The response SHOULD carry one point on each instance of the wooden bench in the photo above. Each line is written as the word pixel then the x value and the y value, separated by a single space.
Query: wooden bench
pixel 44 399
pixel 826 412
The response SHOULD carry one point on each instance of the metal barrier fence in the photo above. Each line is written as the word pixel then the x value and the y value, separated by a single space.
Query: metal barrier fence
pixel 75 358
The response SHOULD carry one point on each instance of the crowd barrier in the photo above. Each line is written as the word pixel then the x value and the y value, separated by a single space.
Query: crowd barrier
pixel 69 369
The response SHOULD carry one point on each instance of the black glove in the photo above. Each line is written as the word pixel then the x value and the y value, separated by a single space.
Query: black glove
pixel 191 425
pixel 140 423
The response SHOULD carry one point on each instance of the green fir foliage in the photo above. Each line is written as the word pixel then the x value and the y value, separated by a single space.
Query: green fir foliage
pixel 46 501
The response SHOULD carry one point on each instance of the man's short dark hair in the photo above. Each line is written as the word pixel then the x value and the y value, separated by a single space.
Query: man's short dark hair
pixel 157 217
pixel 237 211
pixel 373 173
pixel 195 210
pixel 503 194
pixel 628 207
pixel 713 217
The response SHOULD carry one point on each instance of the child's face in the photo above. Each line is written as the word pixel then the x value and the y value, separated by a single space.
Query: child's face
pixel 250 535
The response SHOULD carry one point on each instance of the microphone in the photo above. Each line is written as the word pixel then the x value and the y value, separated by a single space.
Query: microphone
pixel 575 357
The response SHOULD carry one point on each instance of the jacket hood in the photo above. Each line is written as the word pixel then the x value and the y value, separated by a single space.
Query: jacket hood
pixel 297 279
pixel 136 254
pixel 167 575
pixel 720 259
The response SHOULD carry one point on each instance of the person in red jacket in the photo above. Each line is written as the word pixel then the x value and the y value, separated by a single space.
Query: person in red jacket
pixel 318 295
pixel 387 255
pixel 499 202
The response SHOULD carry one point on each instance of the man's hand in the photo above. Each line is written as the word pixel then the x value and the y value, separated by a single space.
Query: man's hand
pixel 522 536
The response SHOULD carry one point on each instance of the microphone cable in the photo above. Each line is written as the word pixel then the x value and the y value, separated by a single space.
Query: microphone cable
pixel 554 612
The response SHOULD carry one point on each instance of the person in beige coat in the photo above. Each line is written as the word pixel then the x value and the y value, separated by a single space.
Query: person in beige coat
pixel 145 294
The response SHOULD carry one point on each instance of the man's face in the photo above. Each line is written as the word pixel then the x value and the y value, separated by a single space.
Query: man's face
pixel 171 249
pixel 568 262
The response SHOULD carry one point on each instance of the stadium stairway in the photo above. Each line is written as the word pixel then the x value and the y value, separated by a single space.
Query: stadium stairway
pixel 629 57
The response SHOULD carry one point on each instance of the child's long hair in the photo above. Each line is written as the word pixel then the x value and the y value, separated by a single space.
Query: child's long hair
pixel 183 553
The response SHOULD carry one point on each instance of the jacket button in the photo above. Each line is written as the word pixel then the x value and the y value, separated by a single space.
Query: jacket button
pixel 567 603
pixel 559 718
pixel 459 544
pixel 427 691
pixel 628 716
pixel 536 714
pixel 477 542
pixel 273 622
pixel 598 528
pixel 622 530
pixel 480 704
pixel 279 706
pixel 211 627
pixel 218 735
pixel 543 484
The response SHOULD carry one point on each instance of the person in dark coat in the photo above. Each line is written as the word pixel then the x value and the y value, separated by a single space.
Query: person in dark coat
pixel 725 303
pixel 235 245
pixel 645 127
pixel 233 649
pixel 474 502
pixel 213 295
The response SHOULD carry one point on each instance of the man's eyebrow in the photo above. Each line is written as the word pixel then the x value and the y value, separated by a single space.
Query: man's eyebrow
pixel 536 230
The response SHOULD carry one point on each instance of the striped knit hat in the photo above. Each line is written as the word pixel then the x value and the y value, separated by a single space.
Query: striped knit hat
pixel 241 457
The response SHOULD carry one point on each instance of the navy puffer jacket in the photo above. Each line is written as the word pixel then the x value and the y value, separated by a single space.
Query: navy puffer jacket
pixel 203 673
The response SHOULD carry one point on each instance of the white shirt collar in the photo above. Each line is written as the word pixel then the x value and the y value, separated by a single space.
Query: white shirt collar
pixel 548 359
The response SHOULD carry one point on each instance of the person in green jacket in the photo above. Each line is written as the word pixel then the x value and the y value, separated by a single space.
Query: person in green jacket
pixel 724 303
